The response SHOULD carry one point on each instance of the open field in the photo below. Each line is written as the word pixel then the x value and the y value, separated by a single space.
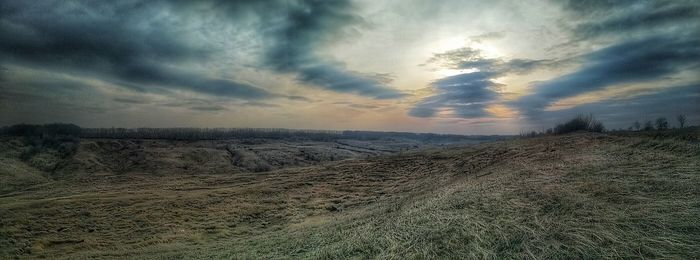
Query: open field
pixel 581 195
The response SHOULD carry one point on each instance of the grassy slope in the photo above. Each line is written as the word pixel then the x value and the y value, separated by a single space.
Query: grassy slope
pixel 574 196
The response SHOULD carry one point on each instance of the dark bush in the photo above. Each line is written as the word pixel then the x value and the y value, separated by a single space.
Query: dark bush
pixel 580 123
pixel 661 123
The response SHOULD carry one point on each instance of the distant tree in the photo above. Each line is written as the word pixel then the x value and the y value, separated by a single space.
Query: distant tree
pixel 681 120
pixel 648 126
pixel 661 123
pixel 637 125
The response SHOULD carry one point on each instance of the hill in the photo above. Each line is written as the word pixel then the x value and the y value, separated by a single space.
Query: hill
pixel 580 195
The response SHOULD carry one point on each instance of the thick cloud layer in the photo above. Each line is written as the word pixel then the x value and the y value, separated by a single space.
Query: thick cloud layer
pixel 308 25
pixel 140 45
pixel 118 42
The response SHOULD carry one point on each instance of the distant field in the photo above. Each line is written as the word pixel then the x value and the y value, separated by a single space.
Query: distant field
pixel 624 195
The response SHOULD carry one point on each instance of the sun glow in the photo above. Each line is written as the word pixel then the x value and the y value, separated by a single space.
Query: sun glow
pixel 453 43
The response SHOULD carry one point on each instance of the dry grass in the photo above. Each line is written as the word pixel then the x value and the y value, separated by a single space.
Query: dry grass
pixel 574 196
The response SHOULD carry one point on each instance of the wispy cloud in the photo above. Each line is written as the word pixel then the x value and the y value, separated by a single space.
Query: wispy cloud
pixel 647 59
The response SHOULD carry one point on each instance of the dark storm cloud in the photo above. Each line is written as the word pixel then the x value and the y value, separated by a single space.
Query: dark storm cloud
pixel 138 45
pixel 642 60
pixel 468 95
pixel 308 25
pixel 118 42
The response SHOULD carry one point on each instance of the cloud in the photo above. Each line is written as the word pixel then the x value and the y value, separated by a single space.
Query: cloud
pixel 132 100
pixel 259 104
pixel 597 18
pixel 126 43
pixel 665 16
pixel 210 108
pixel 356 105
pixel 336 79
pixel 308 25
pixel 57 93
pixel 298 98
pixel 141 46
pixel 470 58
pixel 643 60
pixel 468 95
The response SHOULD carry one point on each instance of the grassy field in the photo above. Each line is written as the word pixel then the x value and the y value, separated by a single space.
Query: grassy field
pixel 572 196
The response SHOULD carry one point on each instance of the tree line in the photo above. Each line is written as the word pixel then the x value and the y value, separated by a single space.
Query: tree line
pixel 589 124
pixel 224 133
pixel 660 123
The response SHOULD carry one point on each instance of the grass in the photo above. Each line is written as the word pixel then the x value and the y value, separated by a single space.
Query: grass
pixel 583 196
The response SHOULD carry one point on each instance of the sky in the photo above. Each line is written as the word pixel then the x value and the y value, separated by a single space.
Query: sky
pixel 451 66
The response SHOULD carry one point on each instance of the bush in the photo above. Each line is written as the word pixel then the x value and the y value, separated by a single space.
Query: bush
pixel 580 123
pixel 661 123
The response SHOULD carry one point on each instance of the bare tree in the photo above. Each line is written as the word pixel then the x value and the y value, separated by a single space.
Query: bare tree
pixel 681 120
pixel 661 123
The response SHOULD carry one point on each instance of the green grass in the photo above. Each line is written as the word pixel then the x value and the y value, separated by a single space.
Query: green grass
pixel 581 196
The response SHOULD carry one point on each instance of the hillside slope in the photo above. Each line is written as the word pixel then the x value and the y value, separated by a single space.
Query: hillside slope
pixel 572 196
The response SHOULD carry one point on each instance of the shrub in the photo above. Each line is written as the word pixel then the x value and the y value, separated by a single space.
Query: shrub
pixel 661 123
pixel 580 123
